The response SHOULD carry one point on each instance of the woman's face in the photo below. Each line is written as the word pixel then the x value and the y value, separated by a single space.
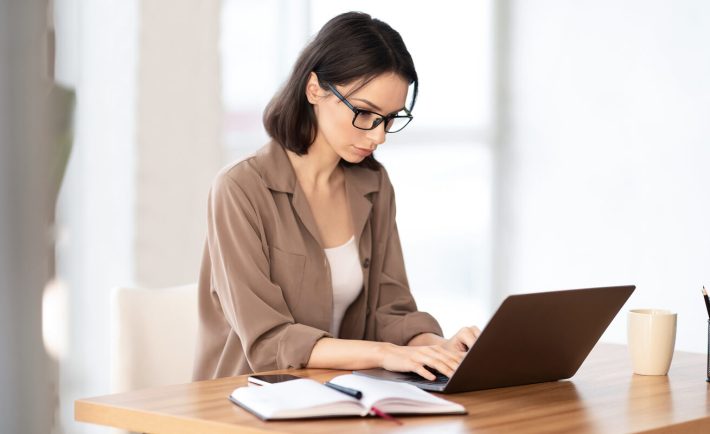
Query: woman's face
pixel 385 94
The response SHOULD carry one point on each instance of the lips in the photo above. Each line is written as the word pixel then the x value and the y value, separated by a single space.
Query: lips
pixel 362 152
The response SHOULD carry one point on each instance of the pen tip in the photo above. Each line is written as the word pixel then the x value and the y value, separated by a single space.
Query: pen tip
pixel 704 291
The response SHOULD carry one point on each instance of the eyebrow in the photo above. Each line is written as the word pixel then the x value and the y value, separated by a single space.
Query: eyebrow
pixel 374 106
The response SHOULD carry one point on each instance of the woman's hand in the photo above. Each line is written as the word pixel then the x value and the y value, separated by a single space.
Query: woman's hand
pixel 424 350
pixel 463 339
pixel 454 349
pixel 415 358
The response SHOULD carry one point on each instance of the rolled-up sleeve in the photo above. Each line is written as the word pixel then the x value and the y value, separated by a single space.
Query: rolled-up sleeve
pixel 397 317
pixel 253 305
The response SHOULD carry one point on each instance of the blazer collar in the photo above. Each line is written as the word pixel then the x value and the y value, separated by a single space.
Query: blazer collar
pixel 278 174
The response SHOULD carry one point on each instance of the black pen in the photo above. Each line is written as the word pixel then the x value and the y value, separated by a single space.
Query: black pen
pixel 358 395
pixel 707 301
pixel 346 390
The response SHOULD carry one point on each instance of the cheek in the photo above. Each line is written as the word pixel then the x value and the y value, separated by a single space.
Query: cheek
pixel 345 135
pixel 336 128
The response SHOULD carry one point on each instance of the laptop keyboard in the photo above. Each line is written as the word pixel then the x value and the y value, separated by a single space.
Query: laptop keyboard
pixel 416 378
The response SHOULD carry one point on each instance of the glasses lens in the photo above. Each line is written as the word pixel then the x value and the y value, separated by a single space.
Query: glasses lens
pixel 397 124
pixel 366 120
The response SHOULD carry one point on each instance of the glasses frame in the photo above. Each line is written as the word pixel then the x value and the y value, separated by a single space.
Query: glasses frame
pixel 382 118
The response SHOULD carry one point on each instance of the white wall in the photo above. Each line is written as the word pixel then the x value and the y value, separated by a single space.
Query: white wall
pixel 608 153
pixel 178 137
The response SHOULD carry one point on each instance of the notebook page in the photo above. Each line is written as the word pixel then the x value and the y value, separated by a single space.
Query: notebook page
pixel 297 398
pixel 396 397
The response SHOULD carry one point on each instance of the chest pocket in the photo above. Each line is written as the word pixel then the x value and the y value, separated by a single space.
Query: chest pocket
pixel 287 271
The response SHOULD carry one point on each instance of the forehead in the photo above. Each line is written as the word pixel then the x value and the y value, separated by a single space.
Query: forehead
pixel 387 91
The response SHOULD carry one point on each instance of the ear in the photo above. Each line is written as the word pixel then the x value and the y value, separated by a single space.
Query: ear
pixel 313 90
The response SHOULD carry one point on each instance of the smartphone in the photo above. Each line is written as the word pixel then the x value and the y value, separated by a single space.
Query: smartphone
pixel 263 380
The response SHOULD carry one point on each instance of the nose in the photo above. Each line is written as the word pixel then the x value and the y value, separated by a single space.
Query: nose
pixel 377 135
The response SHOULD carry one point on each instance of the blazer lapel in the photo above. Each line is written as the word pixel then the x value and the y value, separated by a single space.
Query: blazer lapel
pixel 278 175
pixel 303 210
pixel 359 183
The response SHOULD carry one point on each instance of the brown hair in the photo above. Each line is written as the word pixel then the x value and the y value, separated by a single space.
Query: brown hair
pixel 351 46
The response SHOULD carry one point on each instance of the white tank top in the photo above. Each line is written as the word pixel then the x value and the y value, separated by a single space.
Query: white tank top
pixel 347 279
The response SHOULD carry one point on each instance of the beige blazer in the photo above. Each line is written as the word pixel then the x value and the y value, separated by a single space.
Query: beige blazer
pixel 265 290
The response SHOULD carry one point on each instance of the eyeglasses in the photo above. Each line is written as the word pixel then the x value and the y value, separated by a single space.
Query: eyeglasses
pixel 369 120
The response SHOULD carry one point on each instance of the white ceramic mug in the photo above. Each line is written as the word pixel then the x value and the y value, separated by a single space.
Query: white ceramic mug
pixel 651 339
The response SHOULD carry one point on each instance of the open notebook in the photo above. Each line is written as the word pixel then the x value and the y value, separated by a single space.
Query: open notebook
pixel 305 398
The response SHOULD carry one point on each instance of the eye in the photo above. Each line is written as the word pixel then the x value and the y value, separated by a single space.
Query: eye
pixel 366 120
pixel 368 115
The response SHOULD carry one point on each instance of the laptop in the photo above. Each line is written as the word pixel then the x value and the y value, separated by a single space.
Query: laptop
pixel 532 338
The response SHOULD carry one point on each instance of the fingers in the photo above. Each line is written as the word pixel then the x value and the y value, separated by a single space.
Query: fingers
pixel 456 355
pixel 424 372
pixel 446 358
pixel 442 360
pixel 466 337
pixel 418 358
pixel 438 358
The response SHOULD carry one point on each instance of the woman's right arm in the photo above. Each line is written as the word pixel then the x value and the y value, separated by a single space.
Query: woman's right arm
pixel 253 305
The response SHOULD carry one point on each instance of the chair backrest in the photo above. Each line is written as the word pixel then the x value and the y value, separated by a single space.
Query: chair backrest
pixel 153 333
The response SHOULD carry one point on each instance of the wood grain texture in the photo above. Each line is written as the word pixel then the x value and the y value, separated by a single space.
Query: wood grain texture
pixel 603 397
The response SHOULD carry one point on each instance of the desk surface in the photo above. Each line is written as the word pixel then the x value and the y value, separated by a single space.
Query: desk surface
pixel 603 397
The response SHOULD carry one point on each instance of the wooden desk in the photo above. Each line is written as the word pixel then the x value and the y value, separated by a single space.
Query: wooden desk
pixel 604 397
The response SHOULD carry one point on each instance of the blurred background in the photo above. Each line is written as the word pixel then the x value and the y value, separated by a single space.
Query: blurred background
pixel 556 145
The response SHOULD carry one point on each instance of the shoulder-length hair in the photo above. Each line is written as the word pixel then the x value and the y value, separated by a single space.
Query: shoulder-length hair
pixel 352 46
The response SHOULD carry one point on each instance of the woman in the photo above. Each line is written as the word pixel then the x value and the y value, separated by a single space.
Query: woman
pixel 303 265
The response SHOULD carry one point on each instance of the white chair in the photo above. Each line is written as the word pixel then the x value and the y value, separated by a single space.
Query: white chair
pixel 153 334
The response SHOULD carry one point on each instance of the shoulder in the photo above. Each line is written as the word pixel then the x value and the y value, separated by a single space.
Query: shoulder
pixel 236 175
pixel 240 179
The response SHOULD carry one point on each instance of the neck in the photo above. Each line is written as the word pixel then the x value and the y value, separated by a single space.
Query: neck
pixel 317 170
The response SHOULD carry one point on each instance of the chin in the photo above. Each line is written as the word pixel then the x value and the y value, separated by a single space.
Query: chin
pixel 352 159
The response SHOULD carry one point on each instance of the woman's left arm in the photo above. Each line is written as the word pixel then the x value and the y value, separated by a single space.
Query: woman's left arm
pixel 397 319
